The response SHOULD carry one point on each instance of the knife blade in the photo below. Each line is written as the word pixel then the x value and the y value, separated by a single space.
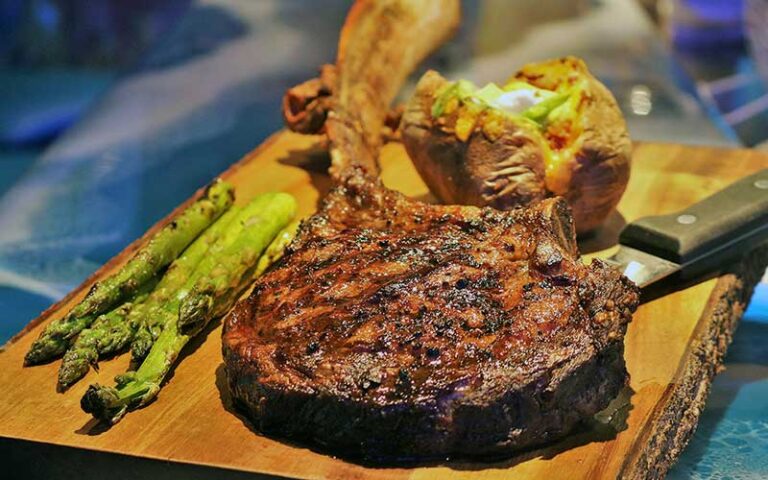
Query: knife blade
pixel 698 239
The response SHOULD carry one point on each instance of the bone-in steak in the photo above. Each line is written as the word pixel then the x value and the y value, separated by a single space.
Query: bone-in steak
pixel 393 328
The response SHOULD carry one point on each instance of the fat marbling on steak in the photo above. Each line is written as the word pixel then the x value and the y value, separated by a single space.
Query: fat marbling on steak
pixel 393 328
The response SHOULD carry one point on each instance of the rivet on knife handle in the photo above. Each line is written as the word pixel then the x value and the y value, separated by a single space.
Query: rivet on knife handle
pixel 716 223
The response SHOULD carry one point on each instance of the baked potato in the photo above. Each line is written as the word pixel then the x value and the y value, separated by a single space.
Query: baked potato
pixel 551 130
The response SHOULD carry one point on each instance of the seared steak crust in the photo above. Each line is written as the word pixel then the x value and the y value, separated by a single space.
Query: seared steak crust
pixel 393 328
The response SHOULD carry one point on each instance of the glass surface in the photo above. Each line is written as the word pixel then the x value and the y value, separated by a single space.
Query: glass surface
pixel 756 18
pixel 205 95
pixel 210 91
pixel 731 441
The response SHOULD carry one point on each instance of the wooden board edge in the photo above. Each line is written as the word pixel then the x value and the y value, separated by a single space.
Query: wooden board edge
pixel 133 246
pixel 674 421
pixel 22 459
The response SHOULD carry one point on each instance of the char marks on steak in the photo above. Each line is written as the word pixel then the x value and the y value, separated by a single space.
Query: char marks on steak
pixel 393 328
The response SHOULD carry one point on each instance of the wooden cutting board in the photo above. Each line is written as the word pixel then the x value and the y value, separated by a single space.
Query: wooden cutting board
pixel 673 348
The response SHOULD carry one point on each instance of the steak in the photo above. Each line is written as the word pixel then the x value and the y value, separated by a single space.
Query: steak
pixel 397 329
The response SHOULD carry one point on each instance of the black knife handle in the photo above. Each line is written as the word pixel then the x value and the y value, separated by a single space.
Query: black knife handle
pixel 718 222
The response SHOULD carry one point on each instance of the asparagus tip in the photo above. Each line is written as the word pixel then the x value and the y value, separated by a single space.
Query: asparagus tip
pixel 103 403
pixel 30 359
pixel 140 347
pixel 44 349
pixel 70 374
pixel 75 365
pixel 194 313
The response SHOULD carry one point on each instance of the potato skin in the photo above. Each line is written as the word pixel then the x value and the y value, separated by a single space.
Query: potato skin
pixel 508 170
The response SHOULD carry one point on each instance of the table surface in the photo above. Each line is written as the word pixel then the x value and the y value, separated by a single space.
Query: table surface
pixel 210 90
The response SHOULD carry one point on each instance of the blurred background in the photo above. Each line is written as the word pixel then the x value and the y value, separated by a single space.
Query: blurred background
pixel 114 111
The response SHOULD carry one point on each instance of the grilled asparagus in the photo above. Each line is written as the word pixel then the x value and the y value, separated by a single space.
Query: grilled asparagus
pixel 215 283
pixel 160 251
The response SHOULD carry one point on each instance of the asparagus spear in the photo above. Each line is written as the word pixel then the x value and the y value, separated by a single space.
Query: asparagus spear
pixel 275 249
pixel 161 250
pixel 105 336
pixel 112 332
pixel 258 224
pixel 162 306
pixel 213 294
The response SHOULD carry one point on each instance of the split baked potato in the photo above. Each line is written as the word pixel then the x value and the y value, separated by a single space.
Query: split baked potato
pixel 551 130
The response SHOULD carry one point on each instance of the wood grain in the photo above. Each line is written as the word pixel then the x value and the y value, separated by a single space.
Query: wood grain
pixel 673 348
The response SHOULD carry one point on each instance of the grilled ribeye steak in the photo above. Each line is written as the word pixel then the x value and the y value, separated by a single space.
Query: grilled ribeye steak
pixel 393 328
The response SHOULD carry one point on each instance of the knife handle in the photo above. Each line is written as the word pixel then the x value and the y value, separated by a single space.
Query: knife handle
pixel 719 222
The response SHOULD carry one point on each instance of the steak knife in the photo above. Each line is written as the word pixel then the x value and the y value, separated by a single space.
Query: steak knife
pixel 698 239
